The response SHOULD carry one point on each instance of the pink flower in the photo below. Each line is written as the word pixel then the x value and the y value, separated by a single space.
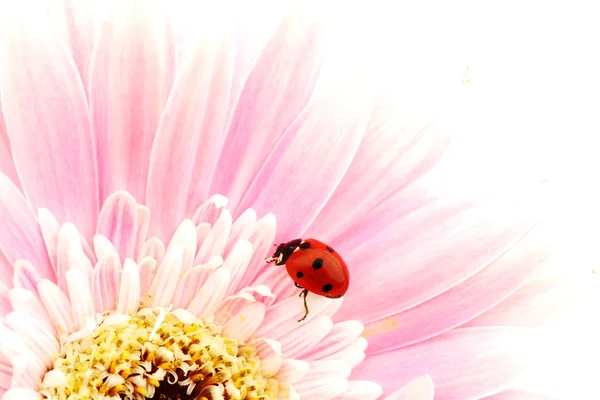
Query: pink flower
pixel 142 180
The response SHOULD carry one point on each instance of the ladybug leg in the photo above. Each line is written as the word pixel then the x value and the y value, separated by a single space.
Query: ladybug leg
pixel 298 286
pixel 270 259
pixel 304 293
pixel 276 258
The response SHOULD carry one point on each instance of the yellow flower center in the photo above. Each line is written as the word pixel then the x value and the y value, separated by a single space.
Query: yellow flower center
pixel 157 355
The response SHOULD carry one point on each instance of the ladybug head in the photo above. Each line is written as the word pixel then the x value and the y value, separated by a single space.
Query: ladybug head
pixel 284 251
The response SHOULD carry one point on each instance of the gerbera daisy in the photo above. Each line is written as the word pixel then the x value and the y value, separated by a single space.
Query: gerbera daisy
pixel 146 176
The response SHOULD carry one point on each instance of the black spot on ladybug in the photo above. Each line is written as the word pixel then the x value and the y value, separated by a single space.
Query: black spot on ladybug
pixel 304 245
pixel 299 274
pixel 318 263
pixel 329 248
pixel 327 288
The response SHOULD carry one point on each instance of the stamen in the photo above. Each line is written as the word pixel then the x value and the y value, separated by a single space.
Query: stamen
pixel 158 354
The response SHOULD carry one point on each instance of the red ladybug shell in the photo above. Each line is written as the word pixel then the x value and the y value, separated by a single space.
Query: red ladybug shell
pixel 319 269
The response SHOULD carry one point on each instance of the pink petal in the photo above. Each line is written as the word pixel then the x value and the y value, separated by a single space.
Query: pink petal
pixel 418 389
pixel 202 232
pixel 215 242
pixel 260 293
pixel 300 340
pixel 292 370
pixel 275 92
pixel 262 239
pixel 276 277
pixel 325 389
pixel 5 303
pixel 463 363
pixel 342 335
pixel 143 225
pixel 34 335
pixel 243 324
pixel 411 203
pixel 106 283
pixel 208 298
pixel 27 366
pixel 352 355
pixel 6 373
pixel 147 268
pixel 190 133
pixel 553 296
pixel 400 145
pixel 210 210
pixel 253 30
pixel 20 236
pixel 361 390
pixel 7 164
pixel 26 301
pixel 104 248
pixel 76 15
pixel 166 278
pixel 241 229
pixel 191 282
pixel 153 248
pixel 78 261
pixel 128 90
pixel 5 270
pixel 283 317
pixel 129 294
pixel 68 240
pixel 87 250
pixel 50 231
pixel 25 275
pixel 185 238
pixel 231 305
pixel 324 369
pixel 269 352
pixel 237 262
pixel 118 222
pixel 335 120
pixel 517 395
pixel 466 300
pixel 21 394
pixel 332 308
pixel 49 123
pixel 82 303
pixel 58 307
pixel 413 259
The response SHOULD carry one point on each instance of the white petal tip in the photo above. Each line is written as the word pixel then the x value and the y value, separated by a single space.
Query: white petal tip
pixel 184 315
pixel 54 378
pixel 219 200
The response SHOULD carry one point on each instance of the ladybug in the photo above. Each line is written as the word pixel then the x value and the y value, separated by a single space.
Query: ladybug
pixel 314 267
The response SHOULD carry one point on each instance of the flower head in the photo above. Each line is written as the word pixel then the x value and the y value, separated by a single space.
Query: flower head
pixel 145 176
